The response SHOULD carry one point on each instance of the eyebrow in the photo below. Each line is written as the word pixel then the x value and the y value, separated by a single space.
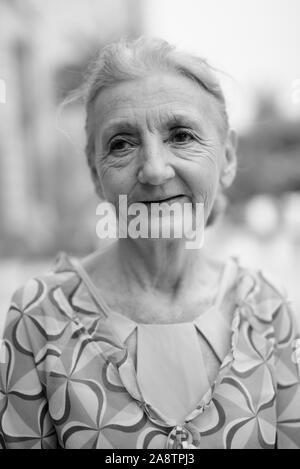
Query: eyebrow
pixel 170 119
pixel 115 126
pixel 183 118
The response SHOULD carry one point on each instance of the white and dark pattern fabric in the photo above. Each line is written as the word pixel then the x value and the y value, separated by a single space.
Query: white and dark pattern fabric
pixel 69 382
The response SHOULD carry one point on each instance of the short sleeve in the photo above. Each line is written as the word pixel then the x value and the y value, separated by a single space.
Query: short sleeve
pixel 287 369
pixel 24 416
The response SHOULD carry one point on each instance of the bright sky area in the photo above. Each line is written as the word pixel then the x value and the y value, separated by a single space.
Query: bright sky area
pixel 256 42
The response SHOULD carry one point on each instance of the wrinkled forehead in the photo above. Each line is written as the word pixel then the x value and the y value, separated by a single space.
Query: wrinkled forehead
pixel 158 101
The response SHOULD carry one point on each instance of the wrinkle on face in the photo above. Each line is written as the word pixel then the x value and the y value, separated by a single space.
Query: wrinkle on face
pixel 162 93
pixel 146 109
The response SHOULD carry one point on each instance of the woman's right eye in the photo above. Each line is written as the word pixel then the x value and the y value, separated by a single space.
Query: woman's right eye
pixel 120 145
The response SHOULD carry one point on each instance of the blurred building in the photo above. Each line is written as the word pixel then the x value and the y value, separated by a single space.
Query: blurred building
pixel 37 40
pixel 269 154
pixel 15 159
pixel 47 201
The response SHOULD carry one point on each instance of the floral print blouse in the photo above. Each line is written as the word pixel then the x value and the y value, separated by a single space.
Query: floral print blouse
pixel 66 380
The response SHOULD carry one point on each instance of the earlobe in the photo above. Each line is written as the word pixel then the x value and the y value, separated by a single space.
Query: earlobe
pixel 230 162
pixel 233 138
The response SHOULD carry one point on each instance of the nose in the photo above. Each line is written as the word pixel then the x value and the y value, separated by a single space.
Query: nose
pixel 155 168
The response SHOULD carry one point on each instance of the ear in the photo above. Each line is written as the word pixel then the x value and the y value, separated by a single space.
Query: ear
pixel 229 163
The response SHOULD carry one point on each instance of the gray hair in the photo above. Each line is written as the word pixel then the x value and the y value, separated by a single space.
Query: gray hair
pixel 130 59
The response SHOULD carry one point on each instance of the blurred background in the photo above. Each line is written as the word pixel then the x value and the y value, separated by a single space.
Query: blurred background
pixel 47 201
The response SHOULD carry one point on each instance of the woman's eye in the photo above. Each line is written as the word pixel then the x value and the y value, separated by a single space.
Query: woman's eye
pixel 119 145
pixel 182 136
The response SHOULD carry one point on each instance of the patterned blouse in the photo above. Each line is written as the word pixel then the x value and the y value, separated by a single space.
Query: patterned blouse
pixel 67 381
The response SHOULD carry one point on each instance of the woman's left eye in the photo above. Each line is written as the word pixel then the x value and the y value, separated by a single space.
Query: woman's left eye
pixel 181 136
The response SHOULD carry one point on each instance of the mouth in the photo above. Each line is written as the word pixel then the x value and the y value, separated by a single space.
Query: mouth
pixel 168 199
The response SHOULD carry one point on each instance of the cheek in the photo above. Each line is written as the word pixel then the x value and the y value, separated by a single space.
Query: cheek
pixel 201 173
pixel 114 182
pixel 204 189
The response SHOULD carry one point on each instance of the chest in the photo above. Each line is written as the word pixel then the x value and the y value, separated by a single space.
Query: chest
pixel 150 308
pixel 146 309
pixel 211 360
pixel 110 418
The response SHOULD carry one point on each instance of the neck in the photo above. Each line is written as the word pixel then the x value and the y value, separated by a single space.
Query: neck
pixel 160 265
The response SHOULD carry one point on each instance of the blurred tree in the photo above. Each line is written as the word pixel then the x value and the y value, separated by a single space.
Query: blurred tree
pixel 269 154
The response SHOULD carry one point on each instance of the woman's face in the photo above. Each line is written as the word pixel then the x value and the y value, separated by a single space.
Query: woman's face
pixel 159 137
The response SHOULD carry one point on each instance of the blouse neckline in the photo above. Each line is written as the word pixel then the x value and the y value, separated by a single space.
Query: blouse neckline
pixel 118 355
pixel 210 324
pixel 95 292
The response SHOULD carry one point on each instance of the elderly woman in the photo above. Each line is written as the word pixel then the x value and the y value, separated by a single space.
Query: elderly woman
pixel 148 344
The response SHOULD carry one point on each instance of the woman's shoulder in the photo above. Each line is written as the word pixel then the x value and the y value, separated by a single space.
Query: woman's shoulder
pixel 42 317
pixel 54 299
pixel 248 281
pixel 38 289
pixel 42 307
pixel 262 284
pixel 263 298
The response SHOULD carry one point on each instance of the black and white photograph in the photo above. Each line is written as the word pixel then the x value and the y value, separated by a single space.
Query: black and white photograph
pixel 150 226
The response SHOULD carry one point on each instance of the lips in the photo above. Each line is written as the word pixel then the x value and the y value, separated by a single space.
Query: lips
pixel 173 197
